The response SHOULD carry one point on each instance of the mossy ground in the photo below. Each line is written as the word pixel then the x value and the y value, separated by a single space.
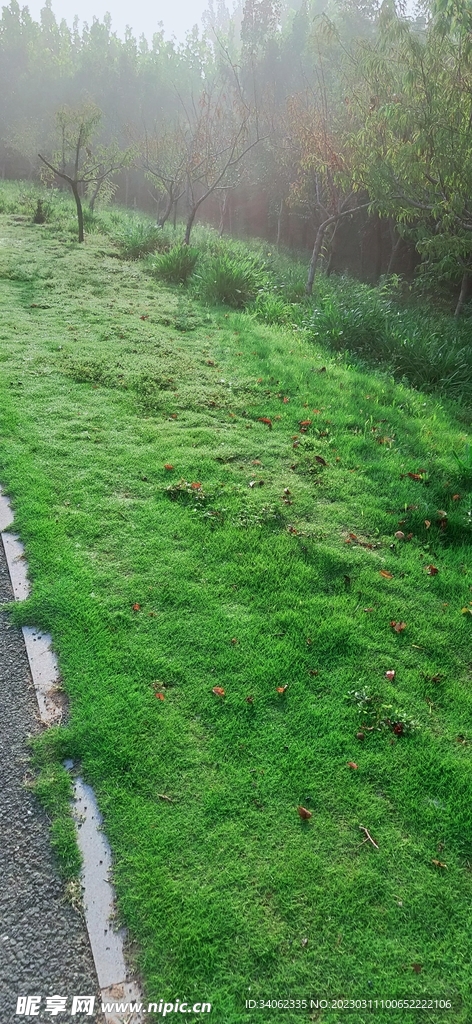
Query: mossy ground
pixel 266 575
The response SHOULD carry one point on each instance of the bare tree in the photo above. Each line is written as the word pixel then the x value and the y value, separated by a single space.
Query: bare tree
pixel 216 134
pixel 76 162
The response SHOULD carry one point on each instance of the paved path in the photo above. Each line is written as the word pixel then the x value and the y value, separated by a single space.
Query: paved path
pixel 44 947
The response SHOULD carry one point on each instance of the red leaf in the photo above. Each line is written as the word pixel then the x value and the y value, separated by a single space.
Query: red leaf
pixel 352 764
pixel 282 689
pixel 196 485
pixel 285 400
pixel 398 728
pixel 386 575
pixel 168 465
pixel 320 460
pixel 456 497
pixel 431 570
pixel 398 626
pixel 160 696
pixel 390 674
pixel 265 419
pixel 415 476
pixel 136 607
pixel 219 691
pixel 304 814
pixel 304 423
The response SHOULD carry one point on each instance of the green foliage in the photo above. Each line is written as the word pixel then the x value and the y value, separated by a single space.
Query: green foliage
pixel 139 237
pixel 147 588
pixel 176 265
pixel 231 279
pixel 272 309
pixel 432 353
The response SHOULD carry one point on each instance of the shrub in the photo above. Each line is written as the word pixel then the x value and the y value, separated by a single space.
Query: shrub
pixel 177 265
pixel 233 280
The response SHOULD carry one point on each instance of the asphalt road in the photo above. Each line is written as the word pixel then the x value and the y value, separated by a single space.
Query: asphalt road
pixel 44 947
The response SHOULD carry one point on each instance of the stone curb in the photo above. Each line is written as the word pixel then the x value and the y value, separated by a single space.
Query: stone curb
pixel 106 944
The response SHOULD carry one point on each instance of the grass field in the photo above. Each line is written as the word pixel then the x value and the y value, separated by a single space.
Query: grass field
pixel 207 501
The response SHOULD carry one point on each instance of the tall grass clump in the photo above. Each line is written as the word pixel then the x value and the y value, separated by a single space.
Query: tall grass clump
pixel 432 353
pixel 231 279
pixel 138 238
pixel 176 265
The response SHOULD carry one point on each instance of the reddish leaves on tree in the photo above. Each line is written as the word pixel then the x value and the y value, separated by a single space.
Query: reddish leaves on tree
pixel 219 691
pixel 304 814
pixel 398 626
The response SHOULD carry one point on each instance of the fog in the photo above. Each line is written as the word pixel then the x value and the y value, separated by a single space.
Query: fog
pixel 143 17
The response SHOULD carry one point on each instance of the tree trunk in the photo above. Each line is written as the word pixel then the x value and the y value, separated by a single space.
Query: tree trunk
pixel 378 248
pixel 80 212
pixel 93 197
pixel 189 226
pixel 394 253
pixel 464 292
pixel 279 221
pixel 316 252
pixel 167 212
pixel 223 206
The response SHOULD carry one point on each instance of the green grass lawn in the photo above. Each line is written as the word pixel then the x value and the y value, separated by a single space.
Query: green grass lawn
pixel 178 542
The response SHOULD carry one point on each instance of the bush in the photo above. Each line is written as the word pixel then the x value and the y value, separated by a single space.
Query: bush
pixel 231 279
pixel 177 265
